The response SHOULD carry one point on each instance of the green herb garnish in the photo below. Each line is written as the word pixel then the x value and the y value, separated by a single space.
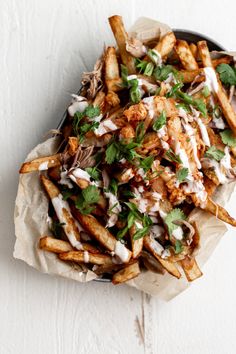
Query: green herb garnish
pixel 182 174
pixel 228 138
pixel 227 74
pixel 175 215
pixel 159 122
pixel 173 157
pixel 178 247
pixel 94 173
pixel 57 228
pixel 205 91
pixel 146 163
pixel 214 153
pixel 86 199
pixel 162 73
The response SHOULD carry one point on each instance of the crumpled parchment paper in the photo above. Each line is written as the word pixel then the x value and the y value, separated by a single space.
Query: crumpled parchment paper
pixel 31 212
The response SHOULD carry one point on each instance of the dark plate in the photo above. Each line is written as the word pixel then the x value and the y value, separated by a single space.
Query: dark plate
pixel 189 36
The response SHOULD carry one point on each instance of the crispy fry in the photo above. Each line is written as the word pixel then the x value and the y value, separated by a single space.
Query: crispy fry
pixel 107 268
pixel 41 163
pixel 191 268
pixel 210 186
pixel 219 212
pixel 54 245
pixel 103 236
pixel 137 245
pixel 186 57
pixel 129 272
pixel 189 76
pixel 220 93
pixel 86 257
pixel 193 48
pixel 111 66
pixel 69 224
pixel 149 244
pixel 165 44
pixel 151 263
pixel 121 37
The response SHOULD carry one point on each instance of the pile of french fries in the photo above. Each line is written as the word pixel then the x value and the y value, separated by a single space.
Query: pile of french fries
pixel 150 136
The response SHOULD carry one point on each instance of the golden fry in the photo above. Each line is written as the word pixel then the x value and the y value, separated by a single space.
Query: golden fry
pixel 191 268
pixel 41 163
pixel 86 257
pixel 186 57
pixel 129 272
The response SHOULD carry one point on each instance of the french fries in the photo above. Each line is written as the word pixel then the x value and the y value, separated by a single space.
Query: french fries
pixel 41 164
pixel 121 36
pixel 226 107
pixel 129 272
pixel 150 139
pixel 185 55
pixel 86 257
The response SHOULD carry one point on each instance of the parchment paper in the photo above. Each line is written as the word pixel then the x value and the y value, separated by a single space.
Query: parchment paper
pixel 31 212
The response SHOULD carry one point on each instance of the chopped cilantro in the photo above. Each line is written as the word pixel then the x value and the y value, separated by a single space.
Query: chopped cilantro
pixel 159 122
pixel 172 216
pixel 227 74
pixel 214 153
pixel 86 199
pixel 172 156
pixel 146 163
pixel 162 73
pixel 94 173
pixel 228 138
pixel 182 174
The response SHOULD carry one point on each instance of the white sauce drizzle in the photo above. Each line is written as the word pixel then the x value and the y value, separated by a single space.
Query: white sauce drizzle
pixel 211 79
pixel 115 210
pixel 105 126
pixel 204 133
pixel 43 166
pixel 86 257
pixel 178 233
pixel 59 204
pixel 79 104
pixel 121 251
pixel 189 130
pixel 65 180
pixel 79 173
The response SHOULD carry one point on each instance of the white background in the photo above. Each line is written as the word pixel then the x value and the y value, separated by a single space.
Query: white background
pixel 45 45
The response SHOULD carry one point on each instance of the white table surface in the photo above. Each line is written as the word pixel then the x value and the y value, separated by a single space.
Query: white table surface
pixel 45 46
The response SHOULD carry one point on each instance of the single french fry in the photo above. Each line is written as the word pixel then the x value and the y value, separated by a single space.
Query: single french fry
pixel 223 60
pixel 189 76
pixel 151 263
pixel 226 107
pixel 62 209
pixel 51 244
pixel 217 210
pixel 165 44
pixel 171 268
pixel 115 84
pixel 86 257
pixel 121 37
pixel 193 48
pixel 191 268
pixel 103 236
pixel 111 67
pixel 107 268
pixel 129 272
pixel 136 245
pixel 210 186
pixel 185 55
pixel 41 164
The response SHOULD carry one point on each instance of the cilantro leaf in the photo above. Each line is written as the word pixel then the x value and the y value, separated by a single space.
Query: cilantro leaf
pixel 66 193
pixel 86 200
pixel 146 163
pixel 178 247
pixel 173 157
pixel 159 122
pixel 113 186
pixel 182 174
pixel 111 152
pixel 227 74
pixel 91 111
pixel 228 138
pixel 93 172
pixel 172 216
pixel 214 153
